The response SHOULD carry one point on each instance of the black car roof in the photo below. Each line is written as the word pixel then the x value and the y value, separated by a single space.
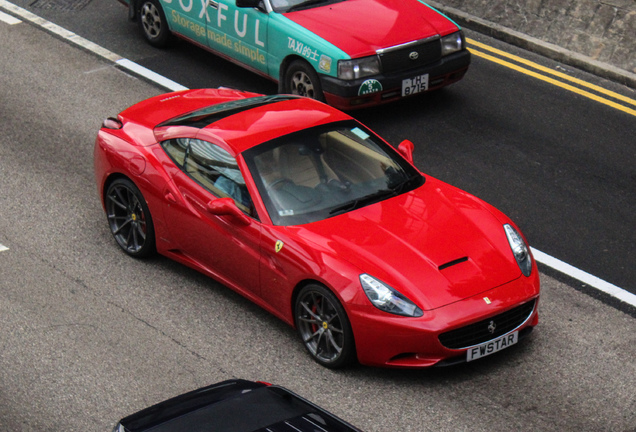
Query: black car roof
pixel 236 406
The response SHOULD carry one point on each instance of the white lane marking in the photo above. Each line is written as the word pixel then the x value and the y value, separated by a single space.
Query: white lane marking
pixel 147 73
pixel 59 31
pixel 9 19
pixel 541 257
pixel 586 278
pixel 92 47
pixel 3 248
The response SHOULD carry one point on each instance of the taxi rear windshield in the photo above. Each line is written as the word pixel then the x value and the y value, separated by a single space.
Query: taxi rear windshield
pixel 294 5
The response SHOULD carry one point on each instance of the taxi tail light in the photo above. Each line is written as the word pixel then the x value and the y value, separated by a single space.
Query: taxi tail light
pixel 112 123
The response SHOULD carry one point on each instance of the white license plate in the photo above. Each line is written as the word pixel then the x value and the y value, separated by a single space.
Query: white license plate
pixel 414 85
pixel 492 347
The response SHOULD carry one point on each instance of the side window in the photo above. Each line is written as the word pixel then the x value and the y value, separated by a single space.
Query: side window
pixel 212 167
pixel 176 149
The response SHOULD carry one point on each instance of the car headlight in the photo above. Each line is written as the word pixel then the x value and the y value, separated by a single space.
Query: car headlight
pixel 452 43
pixel 519 250
pixel 388 299
pixel 358 68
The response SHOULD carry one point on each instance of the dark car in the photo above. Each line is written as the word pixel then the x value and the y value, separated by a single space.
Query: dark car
pixel 235 406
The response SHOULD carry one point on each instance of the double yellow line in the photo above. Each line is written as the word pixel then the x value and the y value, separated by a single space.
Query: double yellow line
pixel 501 55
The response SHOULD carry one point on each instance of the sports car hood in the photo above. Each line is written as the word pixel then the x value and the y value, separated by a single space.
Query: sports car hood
pixel 436 245
pixel 360 27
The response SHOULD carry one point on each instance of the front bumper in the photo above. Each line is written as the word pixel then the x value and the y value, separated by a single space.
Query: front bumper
pixel 390 341
pixel 346 95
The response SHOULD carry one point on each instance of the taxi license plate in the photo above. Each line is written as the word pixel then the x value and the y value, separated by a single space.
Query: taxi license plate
pixel 492 347
pixel 414 85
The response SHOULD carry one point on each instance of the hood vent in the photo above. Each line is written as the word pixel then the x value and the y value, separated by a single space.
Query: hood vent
pixel 452 263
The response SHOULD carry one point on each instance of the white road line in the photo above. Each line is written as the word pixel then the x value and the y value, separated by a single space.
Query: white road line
pixel 148 74
pixel 9 19
pixel 92 47
pixel 3 248
pixel 556 264
pixel 586 278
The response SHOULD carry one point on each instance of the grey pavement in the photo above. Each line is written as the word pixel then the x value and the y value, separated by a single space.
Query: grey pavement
pixel 598 36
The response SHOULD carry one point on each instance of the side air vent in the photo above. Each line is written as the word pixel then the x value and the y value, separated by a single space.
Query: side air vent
pixel 452 263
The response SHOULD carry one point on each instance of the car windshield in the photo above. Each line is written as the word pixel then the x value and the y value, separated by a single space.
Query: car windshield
pixel 327 170
pixel 292 5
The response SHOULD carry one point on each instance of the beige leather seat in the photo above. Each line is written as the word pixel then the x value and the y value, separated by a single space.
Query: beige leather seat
pixel 295 166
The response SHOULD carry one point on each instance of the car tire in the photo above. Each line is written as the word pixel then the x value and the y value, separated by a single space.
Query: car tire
pixel 323 327
pixel 301 79
pixel 129 218
pixel 153 23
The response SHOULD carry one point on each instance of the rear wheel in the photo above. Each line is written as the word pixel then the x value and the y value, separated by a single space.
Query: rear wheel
pixel 323 326
pixel 153 24
pixel 301 79
pixel 129 218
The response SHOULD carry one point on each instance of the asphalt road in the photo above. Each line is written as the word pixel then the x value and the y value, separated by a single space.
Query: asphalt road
pixel 560 164
pixel 90 335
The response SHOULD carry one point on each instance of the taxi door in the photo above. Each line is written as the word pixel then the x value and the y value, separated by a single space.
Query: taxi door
pixel 240 33
pixel 187 17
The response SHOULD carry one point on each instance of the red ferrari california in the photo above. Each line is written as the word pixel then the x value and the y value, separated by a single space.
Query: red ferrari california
pixel 312 216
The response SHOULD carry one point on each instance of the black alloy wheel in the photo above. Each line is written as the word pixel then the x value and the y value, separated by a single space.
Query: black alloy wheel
pixel 129 218
pixel 323 326
pixel 301 79
pixel 153 23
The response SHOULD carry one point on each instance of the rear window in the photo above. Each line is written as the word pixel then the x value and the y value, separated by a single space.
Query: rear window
pixel 208 115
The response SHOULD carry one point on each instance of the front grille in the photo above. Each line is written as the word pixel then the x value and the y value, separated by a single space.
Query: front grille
pixel 479 332
pixel 402 57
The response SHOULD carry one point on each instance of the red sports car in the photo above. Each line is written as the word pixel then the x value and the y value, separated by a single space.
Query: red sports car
pixel 309 214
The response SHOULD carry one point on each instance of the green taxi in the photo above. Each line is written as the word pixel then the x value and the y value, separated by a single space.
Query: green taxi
pixel 349 53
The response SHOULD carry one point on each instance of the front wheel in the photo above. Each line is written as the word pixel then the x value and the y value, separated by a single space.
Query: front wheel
pixel 323 326
pixel 153 23
pixel 301 79
pixel 129 218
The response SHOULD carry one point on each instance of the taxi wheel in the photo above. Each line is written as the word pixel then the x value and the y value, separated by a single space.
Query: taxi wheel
pixel 323 326
pixel 129 218
pixel 301 79
pixel 153 24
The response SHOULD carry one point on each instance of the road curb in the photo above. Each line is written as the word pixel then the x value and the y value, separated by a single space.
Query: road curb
pixel 538 46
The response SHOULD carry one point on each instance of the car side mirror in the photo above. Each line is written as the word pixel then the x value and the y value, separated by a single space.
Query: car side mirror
pixel 247 3
pixel 406 148
pixel 227 207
